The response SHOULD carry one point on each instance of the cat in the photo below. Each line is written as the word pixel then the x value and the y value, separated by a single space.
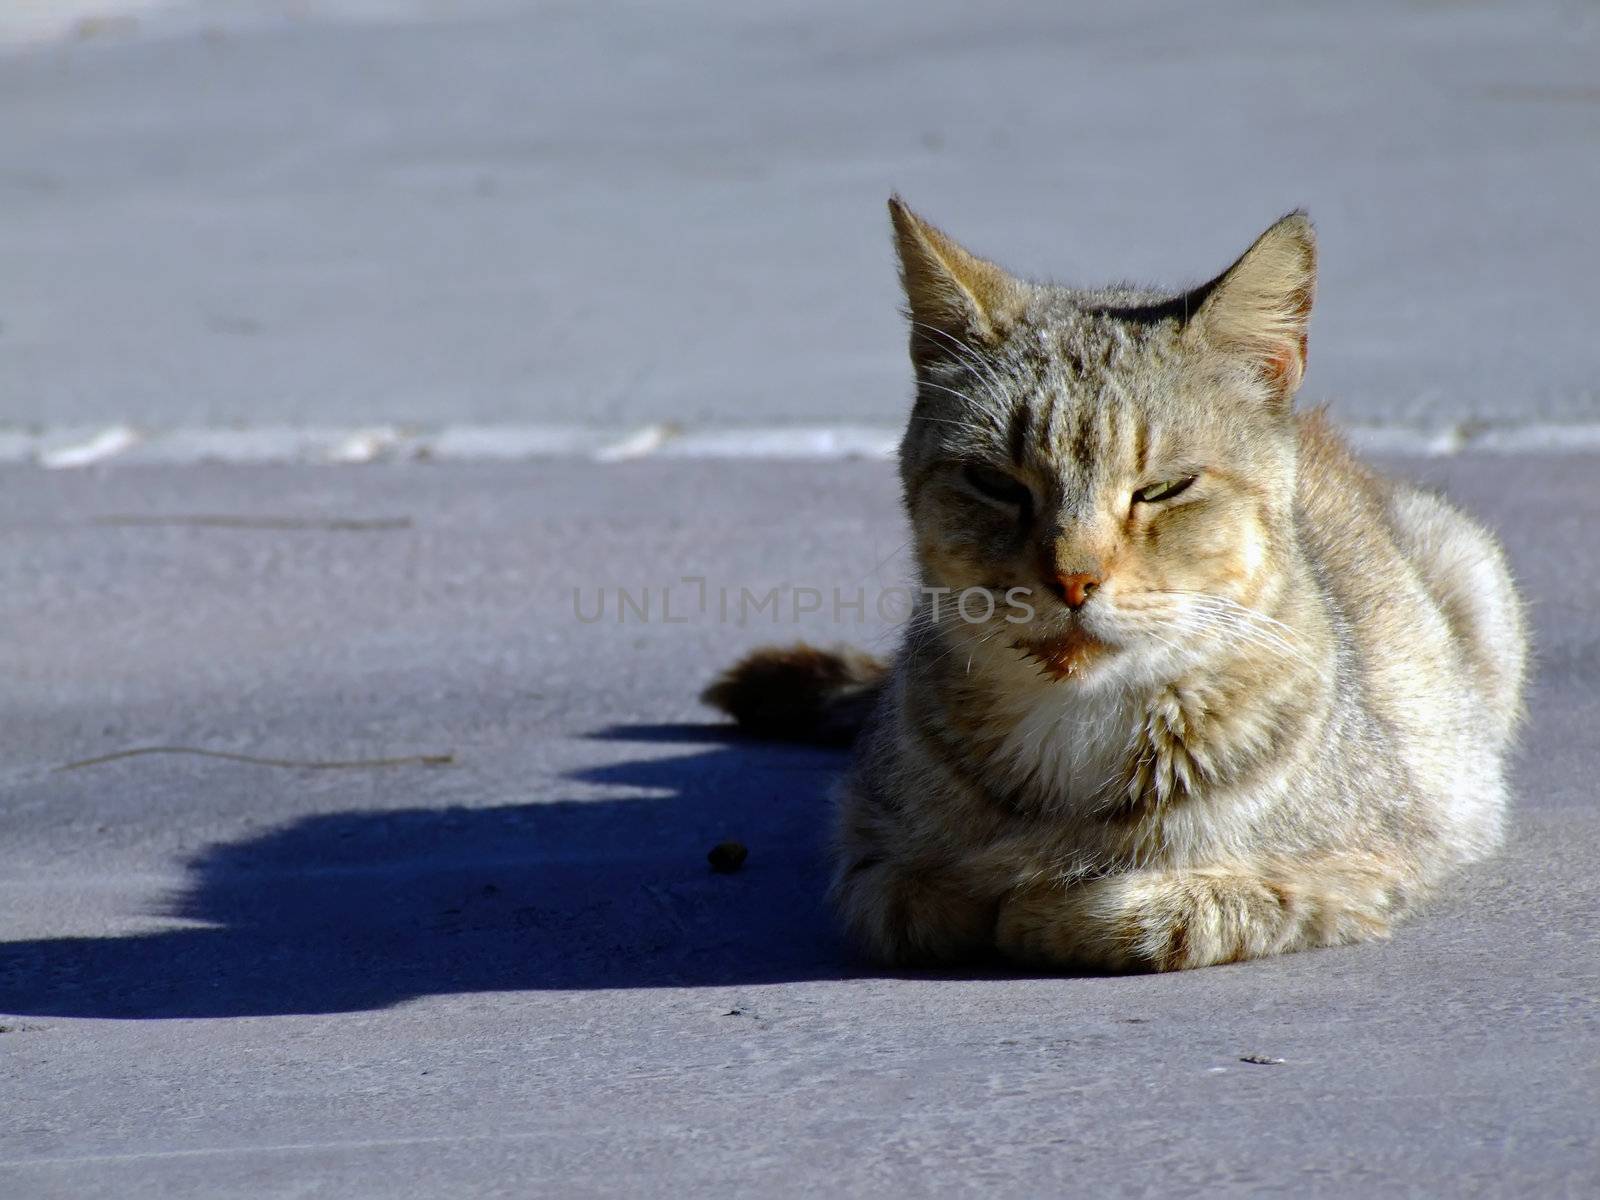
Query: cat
pixel 1265 695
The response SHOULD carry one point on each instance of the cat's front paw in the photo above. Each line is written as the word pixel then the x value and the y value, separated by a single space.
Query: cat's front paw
pixel 1061 926
pixel 1178 920
pixel 1142 921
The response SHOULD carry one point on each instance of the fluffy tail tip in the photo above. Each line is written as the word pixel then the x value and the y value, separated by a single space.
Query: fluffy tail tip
pixel 799 693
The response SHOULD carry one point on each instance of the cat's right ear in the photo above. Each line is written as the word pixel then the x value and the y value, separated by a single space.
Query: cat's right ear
pixel 956 300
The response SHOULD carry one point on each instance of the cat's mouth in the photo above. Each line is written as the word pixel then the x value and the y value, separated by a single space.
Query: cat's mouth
pixel 1065 655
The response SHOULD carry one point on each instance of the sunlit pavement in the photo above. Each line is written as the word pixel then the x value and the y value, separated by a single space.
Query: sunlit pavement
pixel 443 923
pixel 514 972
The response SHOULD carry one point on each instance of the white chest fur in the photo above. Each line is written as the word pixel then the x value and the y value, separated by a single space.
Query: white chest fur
pixel 1070 743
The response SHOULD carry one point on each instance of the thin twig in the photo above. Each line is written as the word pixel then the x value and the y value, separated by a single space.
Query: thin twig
pixel 408 760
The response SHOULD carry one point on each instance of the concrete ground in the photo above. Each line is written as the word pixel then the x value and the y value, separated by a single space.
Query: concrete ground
pixel 448 928
pixel 515 974
pixel 475 212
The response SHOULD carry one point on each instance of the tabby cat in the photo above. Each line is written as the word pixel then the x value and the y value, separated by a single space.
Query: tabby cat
pixel 1263 695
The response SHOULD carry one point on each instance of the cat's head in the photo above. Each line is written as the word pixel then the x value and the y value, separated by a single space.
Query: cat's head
pixel 1125 458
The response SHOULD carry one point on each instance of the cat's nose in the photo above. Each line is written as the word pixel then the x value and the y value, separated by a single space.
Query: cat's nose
pixel 1075 589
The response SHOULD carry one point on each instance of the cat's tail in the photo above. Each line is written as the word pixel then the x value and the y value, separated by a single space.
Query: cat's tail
pixel 799 693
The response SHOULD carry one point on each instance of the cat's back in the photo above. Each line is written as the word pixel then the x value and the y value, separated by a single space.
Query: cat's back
pixel 1427 614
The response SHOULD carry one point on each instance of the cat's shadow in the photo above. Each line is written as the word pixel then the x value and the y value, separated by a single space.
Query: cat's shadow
pixel 360 910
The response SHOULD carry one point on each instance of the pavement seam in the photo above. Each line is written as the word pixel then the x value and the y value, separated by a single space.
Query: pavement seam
pixel 122 443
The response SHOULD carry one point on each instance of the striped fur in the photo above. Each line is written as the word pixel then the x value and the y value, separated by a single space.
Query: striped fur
pixel 1278 721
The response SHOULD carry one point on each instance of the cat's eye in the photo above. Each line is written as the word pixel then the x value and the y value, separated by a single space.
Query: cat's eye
pixel 1154 493
pixel 997 485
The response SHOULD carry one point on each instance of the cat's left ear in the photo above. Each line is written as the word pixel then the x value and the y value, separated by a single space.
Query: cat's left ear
pixel 1259 308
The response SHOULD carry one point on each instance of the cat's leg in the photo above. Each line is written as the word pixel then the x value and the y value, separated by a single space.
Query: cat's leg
pixel 914 914
pixel 1167 920
pixel 911 880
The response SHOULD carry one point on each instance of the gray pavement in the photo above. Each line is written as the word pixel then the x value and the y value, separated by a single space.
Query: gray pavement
pixel 344 212
pixel 515 975
pixel 252 230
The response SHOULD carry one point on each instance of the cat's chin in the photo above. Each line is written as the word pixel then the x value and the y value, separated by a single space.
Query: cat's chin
pixel 1070 655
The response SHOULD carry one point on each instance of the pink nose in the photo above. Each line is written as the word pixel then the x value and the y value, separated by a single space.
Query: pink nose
pixel 1076 589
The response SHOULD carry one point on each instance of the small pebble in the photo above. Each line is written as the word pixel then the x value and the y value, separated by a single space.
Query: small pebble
pixel 727 857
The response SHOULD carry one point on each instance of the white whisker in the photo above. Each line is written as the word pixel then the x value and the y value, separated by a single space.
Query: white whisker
pixel 968 357
pixel 1231 622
